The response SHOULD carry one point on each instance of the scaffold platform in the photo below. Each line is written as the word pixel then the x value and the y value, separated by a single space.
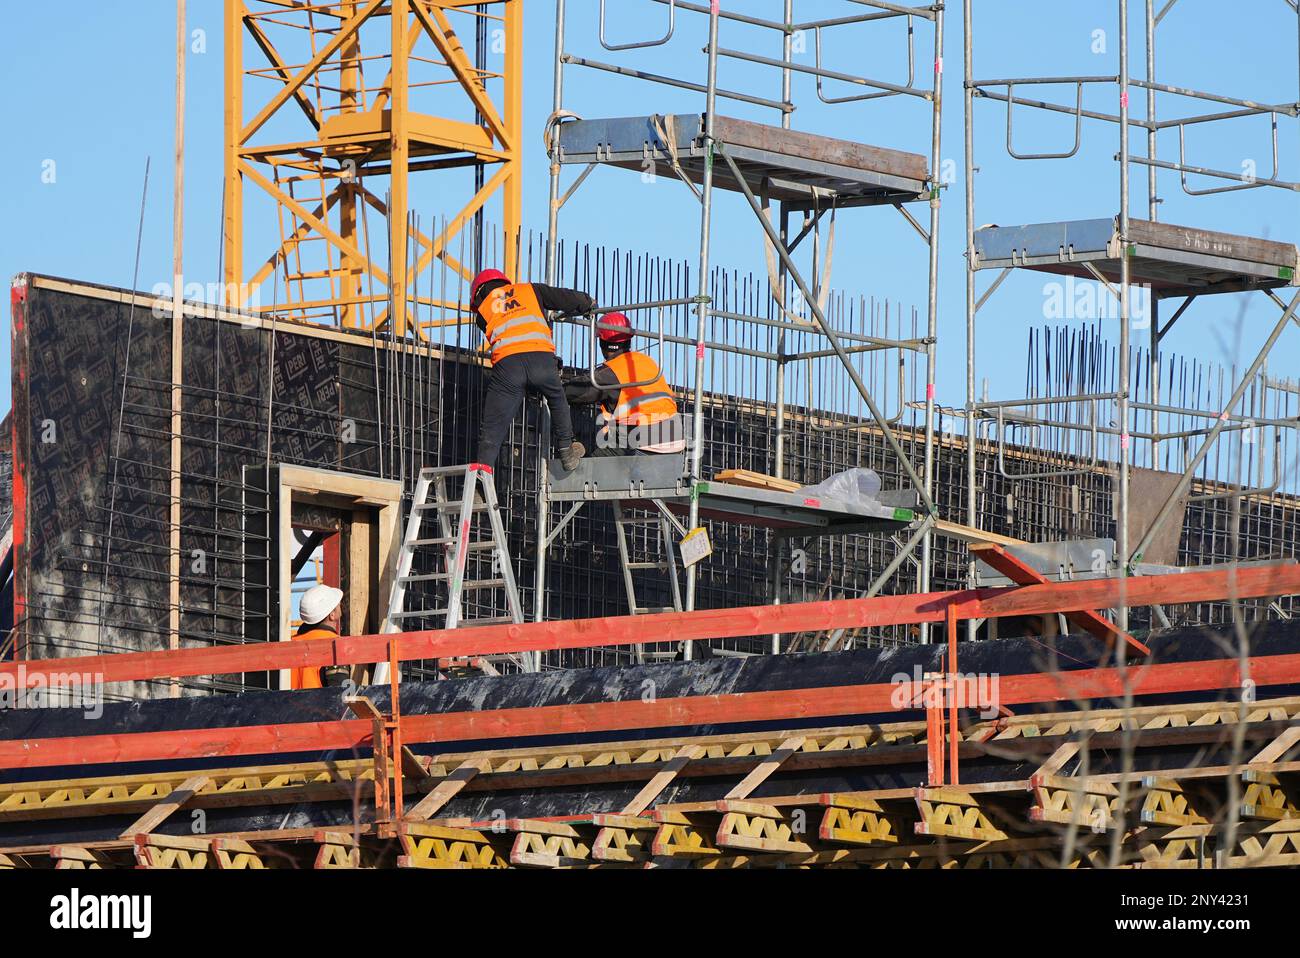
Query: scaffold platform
pixel 643 480
pixel 790 166
pixel 1172 260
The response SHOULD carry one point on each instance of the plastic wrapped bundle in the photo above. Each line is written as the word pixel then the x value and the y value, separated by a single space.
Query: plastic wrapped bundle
pixel 850 486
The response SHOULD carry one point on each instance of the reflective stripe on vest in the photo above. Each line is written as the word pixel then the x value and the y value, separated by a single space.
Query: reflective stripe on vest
pixel 641 405
pixel 515 322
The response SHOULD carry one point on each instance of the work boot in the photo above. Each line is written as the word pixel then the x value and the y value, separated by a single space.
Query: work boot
pixel 571 454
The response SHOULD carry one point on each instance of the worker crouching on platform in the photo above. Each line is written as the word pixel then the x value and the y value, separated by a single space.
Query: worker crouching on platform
pixel 513 318
pixel 639 414
pixel 321 611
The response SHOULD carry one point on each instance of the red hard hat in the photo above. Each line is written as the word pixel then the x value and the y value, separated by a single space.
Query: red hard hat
pixel 623 335
pixel 487 276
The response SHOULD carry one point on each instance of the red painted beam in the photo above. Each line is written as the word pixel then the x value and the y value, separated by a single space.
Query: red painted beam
pixel 1242 583
pixel 1019 572
pixel 577 719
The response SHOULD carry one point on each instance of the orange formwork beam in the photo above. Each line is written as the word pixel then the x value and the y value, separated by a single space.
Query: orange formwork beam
pixel 1042 599
pixel 790 705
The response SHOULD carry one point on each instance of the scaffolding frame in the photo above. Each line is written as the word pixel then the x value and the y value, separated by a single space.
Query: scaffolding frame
pixel 1124 251
pixel 705 149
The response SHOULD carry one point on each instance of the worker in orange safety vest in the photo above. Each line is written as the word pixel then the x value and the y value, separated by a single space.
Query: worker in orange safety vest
pixel 321 612
pixel 638 410
pixel 513 318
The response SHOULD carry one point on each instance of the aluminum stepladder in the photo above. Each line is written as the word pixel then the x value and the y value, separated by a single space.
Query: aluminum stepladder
pixel 474 559
pixel 659 541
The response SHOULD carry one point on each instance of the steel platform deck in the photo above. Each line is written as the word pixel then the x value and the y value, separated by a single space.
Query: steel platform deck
pixel 637 481
pixel 787 165
pixel 1172 260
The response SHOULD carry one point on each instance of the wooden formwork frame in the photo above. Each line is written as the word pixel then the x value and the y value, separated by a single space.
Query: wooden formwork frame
pixel 1177 816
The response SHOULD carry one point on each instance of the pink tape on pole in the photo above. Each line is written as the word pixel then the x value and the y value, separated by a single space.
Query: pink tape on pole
pixel 699 350
pixel 1123 98
pixel 929 390
pixel 1123 440
pixel 938 64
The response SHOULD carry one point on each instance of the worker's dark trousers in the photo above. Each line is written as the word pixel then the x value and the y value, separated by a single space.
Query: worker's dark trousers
pixel 511 379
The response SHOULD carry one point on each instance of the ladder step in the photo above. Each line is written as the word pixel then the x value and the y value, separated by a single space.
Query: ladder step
pixel 417 613
pixel 655 610
pixel 648 565
pixel 428 577
pixel 498 620
pixel 444 576
pixel 450 540
pixel 451 504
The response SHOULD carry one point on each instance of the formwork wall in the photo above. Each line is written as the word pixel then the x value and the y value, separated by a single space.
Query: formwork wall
pixel 92 435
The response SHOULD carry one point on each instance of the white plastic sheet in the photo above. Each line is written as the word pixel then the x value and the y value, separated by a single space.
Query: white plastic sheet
pixel 854 486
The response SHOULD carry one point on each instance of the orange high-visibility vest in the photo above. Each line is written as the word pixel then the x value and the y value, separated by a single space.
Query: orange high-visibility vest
pixel 641 405
pixel 515 322
pixel 309 678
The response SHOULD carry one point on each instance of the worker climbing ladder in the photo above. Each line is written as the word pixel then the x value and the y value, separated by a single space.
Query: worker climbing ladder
pixel 469 536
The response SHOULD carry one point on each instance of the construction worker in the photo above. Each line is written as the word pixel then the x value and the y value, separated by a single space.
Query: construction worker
pixel 513 318
pixel 637 419
pixel 321 612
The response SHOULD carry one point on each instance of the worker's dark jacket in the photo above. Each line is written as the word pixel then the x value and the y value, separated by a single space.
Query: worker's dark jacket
pixel 512 317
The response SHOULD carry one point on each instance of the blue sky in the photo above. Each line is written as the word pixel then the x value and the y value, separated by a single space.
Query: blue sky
pixel 91 87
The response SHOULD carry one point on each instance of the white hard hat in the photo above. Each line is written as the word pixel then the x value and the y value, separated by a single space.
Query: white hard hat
pixel 318 602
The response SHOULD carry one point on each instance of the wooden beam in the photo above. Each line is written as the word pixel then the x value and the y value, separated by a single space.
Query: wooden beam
pixel 955 530
pixel 1275 749
pixel 1056 761
pixel 447 789
pixel 766 767
pixel 661 780
pixel 162 811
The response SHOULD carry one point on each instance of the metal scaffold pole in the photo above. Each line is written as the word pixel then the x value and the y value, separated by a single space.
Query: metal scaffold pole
pixel 552 267
pixel 1121 485
pixel 932 305
pixel 968 169
pixel 702 305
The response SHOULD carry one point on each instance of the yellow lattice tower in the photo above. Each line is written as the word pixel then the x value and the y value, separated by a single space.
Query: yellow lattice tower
pixel 353 97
